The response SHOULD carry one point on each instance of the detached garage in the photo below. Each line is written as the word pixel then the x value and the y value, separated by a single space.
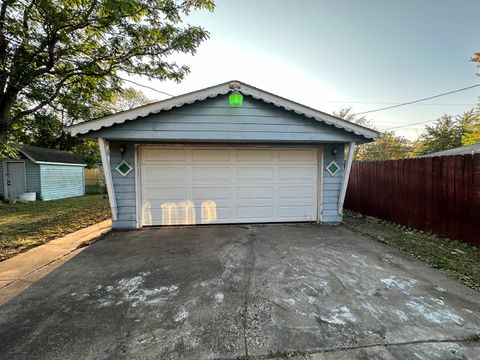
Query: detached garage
pixel 46 174
pixel 230 153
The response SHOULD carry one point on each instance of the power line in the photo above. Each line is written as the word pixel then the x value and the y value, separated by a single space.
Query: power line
pixel 416 101
pixel 392 103
pixel 146 86
pixel 420 122
pixel 348 102
pixel 389 107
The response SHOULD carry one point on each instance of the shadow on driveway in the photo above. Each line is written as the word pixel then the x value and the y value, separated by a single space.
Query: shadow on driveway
pixel 211 292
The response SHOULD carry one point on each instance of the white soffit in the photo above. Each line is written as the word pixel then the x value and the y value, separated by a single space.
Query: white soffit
pixel 214 91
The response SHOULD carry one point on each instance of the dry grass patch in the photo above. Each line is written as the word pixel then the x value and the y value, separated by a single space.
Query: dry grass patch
pixel 23 226
pixel 458 259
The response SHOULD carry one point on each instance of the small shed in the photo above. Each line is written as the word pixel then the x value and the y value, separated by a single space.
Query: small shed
pixel 461 150
pixel 230 153
pixel 50 174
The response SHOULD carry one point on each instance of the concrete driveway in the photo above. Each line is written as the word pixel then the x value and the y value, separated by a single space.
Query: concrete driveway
pixel 229 291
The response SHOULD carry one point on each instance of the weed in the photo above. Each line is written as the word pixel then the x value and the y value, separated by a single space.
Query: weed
pixel 474 337
pixel 458 259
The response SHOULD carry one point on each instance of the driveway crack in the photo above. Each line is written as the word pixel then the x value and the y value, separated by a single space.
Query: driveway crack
pixel 250 270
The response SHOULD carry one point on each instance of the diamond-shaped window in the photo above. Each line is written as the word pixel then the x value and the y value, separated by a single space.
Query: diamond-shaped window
pixel 124 168
pixel 333 168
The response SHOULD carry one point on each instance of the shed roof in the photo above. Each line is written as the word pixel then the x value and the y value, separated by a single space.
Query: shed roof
pixel 44 155
pixel 214 91
pixel 461 150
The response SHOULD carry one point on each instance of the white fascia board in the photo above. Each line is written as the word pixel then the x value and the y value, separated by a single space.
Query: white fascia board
pixel 346 177
pixel 149 109
pixel 27 156
pixel 58 163
pixel 214 91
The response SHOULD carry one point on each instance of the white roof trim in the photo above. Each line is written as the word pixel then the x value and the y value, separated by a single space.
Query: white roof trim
pixel 58 163
pixel 27 156
pixel 214 91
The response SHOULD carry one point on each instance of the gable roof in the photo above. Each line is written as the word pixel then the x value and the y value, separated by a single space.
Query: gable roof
pixel 214 91
pixel 41 155
pixel 461 150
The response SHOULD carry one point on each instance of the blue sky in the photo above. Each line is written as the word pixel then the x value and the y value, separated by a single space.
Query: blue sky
pixel 331 54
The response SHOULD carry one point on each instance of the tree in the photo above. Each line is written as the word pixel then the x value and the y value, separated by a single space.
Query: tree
pixel 126 99
pixel 449 132
pixel 471 121
pixel 476 57
pixel 446 133
pixel 346 114
pixel 47 129
pixel 69 54
pixel 389 147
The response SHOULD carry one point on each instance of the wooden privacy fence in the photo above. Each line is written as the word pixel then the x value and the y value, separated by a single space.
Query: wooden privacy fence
pixel 94 183
pixel 438 194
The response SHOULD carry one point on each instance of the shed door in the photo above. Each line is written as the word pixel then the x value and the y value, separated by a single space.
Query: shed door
pixel 202 185
pixel 15 177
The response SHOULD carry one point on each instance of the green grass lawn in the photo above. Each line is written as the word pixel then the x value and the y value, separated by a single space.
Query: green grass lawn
pixel 23 226
pixel 458 259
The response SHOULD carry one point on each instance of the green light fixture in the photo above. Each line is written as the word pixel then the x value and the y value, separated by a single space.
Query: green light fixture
pixel 235 99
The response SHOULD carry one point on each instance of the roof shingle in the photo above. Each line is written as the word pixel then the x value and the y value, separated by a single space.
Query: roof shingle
pixel 39 154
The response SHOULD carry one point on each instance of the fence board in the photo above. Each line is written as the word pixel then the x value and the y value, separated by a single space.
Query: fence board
pixel 440 194
pixel 94 182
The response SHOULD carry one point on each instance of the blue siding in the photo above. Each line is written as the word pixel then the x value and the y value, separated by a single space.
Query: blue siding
pixel 32 171
pixel 332 184
pixel 124 186
pixel 213 120
pixel 61 181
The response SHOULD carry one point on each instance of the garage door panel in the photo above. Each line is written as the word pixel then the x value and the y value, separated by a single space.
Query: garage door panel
pixel 254 193
pixel 254 173
pixel 306 173
pixel 255 212
pixel 295 192
pixel 162 154
pixel 211 193
pixel 153 173
pixel 255 155
pixel 299 202
pixel 297 155
pixel 299 212
pixel 171 215
pixel 207 155
pixel 198 185
pixel 219 214
pixel 211 173
pixel 165 194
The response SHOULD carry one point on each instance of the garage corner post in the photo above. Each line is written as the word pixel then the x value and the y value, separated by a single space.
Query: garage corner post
pixel 108 177
pixel 346 176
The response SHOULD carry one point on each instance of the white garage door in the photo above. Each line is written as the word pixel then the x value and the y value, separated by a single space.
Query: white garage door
pixel 201 185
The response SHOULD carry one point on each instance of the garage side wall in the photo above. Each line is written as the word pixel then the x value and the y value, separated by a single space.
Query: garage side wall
pixel 332 184
pixel 124 186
